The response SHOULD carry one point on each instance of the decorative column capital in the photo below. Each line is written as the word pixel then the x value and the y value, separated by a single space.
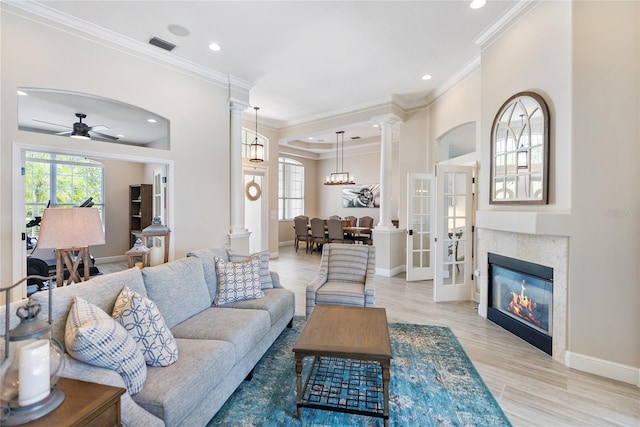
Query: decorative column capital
pixel 389 119
pixel 237 106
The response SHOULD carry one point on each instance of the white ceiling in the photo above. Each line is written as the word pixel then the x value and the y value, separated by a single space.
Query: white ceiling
pixel 311 59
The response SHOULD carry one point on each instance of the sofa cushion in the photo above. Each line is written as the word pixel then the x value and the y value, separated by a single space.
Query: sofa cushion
pixel 177 288
pixel 341 293
pixel 100 291
pixel 238 281
pixel 174 392
pixel 265 275
pixel 277 302
pixel 348 264
pixel 208 257
pixel 93 337
pixel 241 327
pixel 141 319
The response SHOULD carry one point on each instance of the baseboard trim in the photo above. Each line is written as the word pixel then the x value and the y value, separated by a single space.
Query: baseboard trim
pixel 108 259
pixel 385 272
pixel 603 368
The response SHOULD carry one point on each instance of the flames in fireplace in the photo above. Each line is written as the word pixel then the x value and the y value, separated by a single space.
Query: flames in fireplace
pixel 523 307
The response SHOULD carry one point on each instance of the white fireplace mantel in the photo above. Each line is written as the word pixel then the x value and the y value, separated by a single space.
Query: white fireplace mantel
pixel 528 222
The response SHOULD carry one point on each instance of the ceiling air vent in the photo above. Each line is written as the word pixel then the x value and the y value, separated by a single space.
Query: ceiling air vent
pixel 162 44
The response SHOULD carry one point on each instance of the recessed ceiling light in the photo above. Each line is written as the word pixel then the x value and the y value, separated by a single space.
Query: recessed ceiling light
pixel 426 77
pixel 310 137
pixel 152 120
pixel 21 93
pixel 477 4
pixel 120 135
pixel 375 125
pixel 214 47
pixel 178 30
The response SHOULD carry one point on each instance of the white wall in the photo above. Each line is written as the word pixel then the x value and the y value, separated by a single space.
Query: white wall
pixel 604 289
pixel 35 55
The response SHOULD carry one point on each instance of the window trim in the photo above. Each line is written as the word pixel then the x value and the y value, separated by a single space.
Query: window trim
pixel 287 162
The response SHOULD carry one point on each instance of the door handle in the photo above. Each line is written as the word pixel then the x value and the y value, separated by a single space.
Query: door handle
pixel 410 232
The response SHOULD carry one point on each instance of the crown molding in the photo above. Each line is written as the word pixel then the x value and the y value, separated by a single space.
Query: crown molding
pixel 92 32
pixel 516 12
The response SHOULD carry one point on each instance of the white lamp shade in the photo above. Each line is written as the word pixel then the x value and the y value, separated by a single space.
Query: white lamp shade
pixel 70 227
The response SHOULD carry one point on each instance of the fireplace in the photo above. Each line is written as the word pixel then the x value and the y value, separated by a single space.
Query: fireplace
pixel 520 299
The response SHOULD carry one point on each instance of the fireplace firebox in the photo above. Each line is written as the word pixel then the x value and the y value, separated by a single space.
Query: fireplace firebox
pixel 521 299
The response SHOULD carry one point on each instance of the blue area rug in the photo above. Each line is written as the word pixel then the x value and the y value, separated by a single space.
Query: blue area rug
pixel 433 383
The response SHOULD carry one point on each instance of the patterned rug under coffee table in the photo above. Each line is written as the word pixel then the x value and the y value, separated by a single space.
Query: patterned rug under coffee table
pixel 433 383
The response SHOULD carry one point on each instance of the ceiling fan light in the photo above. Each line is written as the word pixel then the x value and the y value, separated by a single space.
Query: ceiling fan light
pixel 80 136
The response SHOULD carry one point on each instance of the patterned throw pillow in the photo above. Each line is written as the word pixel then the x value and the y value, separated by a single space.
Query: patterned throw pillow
pixel 265 275
pixel 238 281
pixel 93 337
pixel 143 321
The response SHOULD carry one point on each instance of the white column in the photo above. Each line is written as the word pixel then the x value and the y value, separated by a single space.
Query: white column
pixel 235 159
pixel 386 123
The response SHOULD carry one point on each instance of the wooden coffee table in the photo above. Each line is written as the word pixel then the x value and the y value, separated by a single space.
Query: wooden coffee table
pixel 351 350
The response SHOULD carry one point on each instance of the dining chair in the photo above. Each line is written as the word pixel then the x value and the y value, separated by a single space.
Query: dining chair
pixel 366 238
pixel 352 219
pixel 301 228
pixel 318 235
pixel 334 217
pixel 336 233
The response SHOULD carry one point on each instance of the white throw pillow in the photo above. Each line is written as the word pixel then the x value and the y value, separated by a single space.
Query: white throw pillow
pixel 238 281
pixel 93 337
pixel 142 320
pixel 265 275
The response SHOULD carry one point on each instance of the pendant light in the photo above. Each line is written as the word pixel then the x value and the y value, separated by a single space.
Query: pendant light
pixel 339 178
pixel 256 150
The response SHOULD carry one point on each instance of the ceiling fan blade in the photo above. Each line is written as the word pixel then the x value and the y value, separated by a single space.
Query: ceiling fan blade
pixel 54 124
pixel 105 136
pixel 64 133
pixel 99 127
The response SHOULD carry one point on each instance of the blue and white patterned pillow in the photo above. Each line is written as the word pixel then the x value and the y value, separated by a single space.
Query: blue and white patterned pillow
pixel 93 337
pixel 238 281
pixel 143 321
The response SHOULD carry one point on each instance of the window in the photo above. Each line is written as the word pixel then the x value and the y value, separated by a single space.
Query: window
pixel 290 188
pixel 61 180
pixel 248 136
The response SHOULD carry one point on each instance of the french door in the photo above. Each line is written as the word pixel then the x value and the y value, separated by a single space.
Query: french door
pixel 255 208
pixel 454 218
pixel 420 213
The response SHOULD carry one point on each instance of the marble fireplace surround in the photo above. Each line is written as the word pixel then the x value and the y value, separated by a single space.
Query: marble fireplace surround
pixel 526 236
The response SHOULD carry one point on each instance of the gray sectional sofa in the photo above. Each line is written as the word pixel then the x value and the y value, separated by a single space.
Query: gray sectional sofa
pixel 218 346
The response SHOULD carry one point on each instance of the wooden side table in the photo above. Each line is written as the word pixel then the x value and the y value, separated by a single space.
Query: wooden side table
pixel 85 404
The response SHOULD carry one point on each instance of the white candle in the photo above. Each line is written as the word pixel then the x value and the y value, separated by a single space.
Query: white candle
pixel 34 373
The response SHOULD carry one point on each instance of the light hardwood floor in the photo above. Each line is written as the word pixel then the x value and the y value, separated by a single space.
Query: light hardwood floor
pixel 532 389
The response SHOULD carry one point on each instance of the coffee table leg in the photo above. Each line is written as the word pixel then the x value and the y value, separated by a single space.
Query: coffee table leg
pixel 299 385
pixel 385 390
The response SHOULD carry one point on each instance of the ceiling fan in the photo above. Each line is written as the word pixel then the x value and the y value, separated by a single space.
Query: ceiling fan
pixel 81 130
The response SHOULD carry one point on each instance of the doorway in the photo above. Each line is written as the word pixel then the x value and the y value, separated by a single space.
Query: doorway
pixel 255 208
pixel 18 198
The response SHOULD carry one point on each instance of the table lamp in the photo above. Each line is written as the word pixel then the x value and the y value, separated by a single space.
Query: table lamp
pixel 32 364
pixel 70 231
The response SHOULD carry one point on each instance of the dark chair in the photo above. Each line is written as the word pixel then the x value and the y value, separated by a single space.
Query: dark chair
pixel 301 227
pixel 353 220
pixel 336 233
pixel 318 235
pixel 366 238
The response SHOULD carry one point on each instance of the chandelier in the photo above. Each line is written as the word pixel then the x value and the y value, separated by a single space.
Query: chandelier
pixel 339 178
